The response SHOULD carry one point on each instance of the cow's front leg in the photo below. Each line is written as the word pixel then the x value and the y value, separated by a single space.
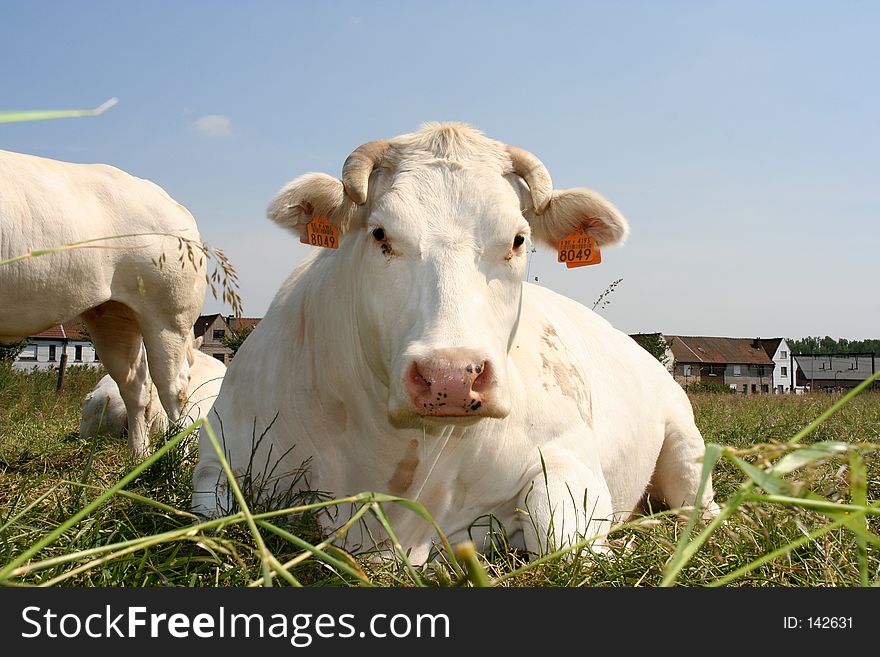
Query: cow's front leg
pixel 564 501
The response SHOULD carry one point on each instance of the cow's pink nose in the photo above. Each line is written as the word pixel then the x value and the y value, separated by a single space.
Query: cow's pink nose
pixel 449 384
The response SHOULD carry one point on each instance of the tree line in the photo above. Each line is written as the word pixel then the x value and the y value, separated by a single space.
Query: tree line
pixel 828 345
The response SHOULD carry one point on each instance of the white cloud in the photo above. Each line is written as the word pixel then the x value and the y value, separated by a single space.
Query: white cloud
pixel 214 125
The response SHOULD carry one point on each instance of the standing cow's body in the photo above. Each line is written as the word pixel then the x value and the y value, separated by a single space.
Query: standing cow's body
pixel 414 361
pixel 116 285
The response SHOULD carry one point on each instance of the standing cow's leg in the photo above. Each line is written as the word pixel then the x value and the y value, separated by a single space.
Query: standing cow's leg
pixel 564 502
pixel 117 337
pixel 170 355
pixel 677 474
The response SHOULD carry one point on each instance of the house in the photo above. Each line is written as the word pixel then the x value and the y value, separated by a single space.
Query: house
pixel 741 364
pixel 215 328
pixel 824 372
pixel 44 350
pixel 779 352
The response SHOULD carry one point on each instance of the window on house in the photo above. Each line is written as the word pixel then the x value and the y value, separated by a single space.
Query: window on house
pixel 737 370
pixel 754 387
pixel 52 354
pixel 783 371
pixel 765 387
pixel 220 357
pixel 783 354
pixel 761 371
pixel 745 388
pixel 78 353
pixel 688 370
pixel 219 334
pixel 28 353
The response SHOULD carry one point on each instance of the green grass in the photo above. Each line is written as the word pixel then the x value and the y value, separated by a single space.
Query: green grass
pixel 65 518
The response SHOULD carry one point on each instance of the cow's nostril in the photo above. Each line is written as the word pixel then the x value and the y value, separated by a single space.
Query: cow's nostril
pixel 417 379
pixel 484 378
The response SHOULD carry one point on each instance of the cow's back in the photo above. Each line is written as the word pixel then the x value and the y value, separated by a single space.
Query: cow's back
pixel 45 204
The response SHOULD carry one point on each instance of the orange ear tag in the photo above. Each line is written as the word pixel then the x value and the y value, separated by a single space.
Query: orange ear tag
pixel 579 249
pixel 320 232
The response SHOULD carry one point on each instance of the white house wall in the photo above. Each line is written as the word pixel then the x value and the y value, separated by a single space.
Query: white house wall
pixel 42 352
pixel 782 362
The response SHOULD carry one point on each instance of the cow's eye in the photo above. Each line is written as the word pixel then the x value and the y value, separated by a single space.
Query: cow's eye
pixel 379 234
pixel 518 241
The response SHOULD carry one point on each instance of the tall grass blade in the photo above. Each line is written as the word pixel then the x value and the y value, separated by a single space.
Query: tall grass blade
pixel 41 115
pixel 858 485
pixel 683 550
pixel 268 560
pixel 317 552
pixel 476 574
pixel 383 518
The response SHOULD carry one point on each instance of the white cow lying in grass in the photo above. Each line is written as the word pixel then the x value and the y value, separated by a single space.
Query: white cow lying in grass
pixel 415 361
pixel 123 288
pixel 103 410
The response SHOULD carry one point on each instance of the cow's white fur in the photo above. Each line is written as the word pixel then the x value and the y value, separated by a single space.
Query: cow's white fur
pixel 103 410
pixel 116 286
pixel 580 420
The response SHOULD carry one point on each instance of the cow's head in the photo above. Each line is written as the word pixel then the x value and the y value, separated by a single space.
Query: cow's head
pixel 436 230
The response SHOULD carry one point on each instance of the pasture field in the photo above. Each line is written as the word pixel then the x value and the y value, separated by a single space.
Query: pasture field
pixel 801 510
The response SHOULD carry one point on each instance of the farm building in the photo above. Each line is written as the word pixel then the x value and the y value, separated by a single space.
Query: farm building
pixel 779 352
pixel 44 350
pixel 824 372
pixel 214 328
pixel 741 364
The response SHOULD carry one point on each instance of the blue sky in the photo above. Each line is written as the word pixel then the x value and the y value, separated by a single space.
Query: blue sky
pixel 740 139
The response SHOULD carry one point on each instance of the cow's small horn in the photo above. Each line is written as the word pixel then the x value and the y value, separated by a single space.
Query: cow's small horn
pixel 528 167
pixel 358 167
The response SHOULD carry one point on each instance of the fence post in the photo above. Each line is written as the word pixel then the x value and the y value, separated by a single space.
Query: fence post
pixel 62 367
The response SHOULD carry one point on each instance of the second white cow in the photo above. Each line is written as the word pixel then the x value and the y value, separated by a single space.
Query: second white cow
pixel 415 361
pixel 103 410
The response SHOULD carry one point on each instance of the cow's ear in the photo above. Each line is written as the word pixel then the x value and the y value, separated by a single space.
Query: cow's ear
pixel 570 209
pixel 300 200
pixel 197 343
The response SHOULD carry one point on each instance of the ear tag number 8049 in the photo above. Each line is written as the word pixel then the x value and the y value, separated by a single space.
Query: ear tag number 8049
pixel 578 249
pixel 320 232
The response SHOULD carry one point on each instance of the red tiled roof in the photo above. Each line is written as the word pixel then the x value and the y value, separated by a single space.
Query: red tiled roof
pixel 238 323
pixel 717 351
pixel 72 330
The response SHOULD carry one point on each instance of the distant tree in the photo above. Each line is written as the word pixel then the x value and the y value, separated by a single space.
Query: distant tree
pixel 235 338
pixel 9 352
pixel 656 345
pixel 828 345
